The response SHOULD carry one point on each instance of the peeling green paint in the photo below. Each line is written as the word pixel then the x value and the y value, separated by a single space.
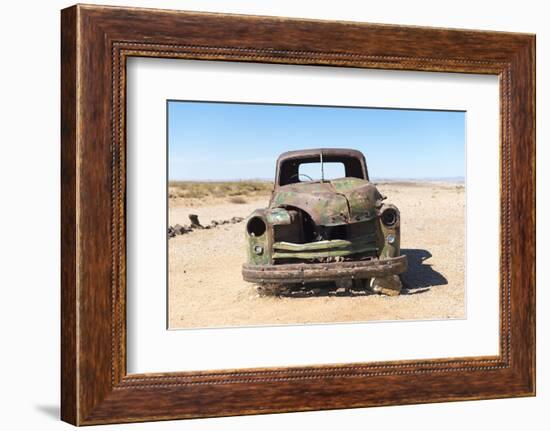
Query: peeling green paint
pixel 354 249
pixel 323 249
pixel 278 216
pixel 324 245
pixel 330 203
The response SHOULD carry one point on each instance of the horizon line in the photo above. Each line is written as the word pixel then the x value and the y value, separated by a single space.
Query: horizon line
pixel 458 178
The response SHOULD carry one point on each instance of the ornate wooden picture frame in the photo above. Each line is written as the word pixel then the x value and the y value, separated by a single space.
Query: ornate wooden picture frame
pixel 96 42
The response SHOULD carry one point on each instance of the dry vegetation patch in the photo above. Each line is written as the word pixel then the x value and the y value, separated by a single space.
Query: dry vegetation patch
pixel 236 192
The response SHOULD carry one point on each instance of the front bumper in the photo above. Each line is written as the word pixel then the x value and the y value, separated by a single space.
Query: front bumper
pixel 319 272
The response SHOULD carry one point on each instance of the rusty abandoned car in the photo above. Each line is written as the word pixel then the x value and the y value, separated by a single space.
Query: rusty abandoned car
pixel 325 230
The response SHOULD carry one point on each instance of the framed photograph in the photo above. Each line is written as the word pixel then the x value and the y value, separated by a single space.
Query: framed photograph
pixel 263 214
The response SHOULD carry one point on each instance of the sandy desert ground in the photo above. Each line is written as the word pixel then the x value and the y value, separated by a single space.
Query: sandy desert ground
pixel 206 288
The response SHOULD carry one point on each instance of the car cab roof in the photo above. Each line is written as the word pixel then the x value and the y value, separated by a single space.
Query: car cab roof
pixel 328 153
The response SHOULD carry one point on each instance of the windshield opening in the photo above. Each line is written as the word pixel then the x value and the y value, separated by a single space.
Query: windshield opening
pixel 314 171
pixel 308 168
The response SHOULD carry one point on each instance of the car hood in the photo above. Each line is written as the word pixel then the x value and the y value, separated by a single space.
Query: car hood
pixel 329 203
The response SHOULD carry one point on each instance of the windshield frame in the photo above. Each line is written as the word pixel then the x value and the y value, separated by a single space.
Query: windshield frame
pixel 288 164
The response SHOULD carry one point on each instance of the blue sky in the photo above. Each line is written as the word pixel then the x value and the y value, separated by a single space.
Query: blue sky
pixel 231 141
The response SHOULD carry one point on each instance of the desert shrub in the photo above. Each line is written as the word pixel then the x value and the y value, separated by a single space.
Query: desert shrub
pixel 237 200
